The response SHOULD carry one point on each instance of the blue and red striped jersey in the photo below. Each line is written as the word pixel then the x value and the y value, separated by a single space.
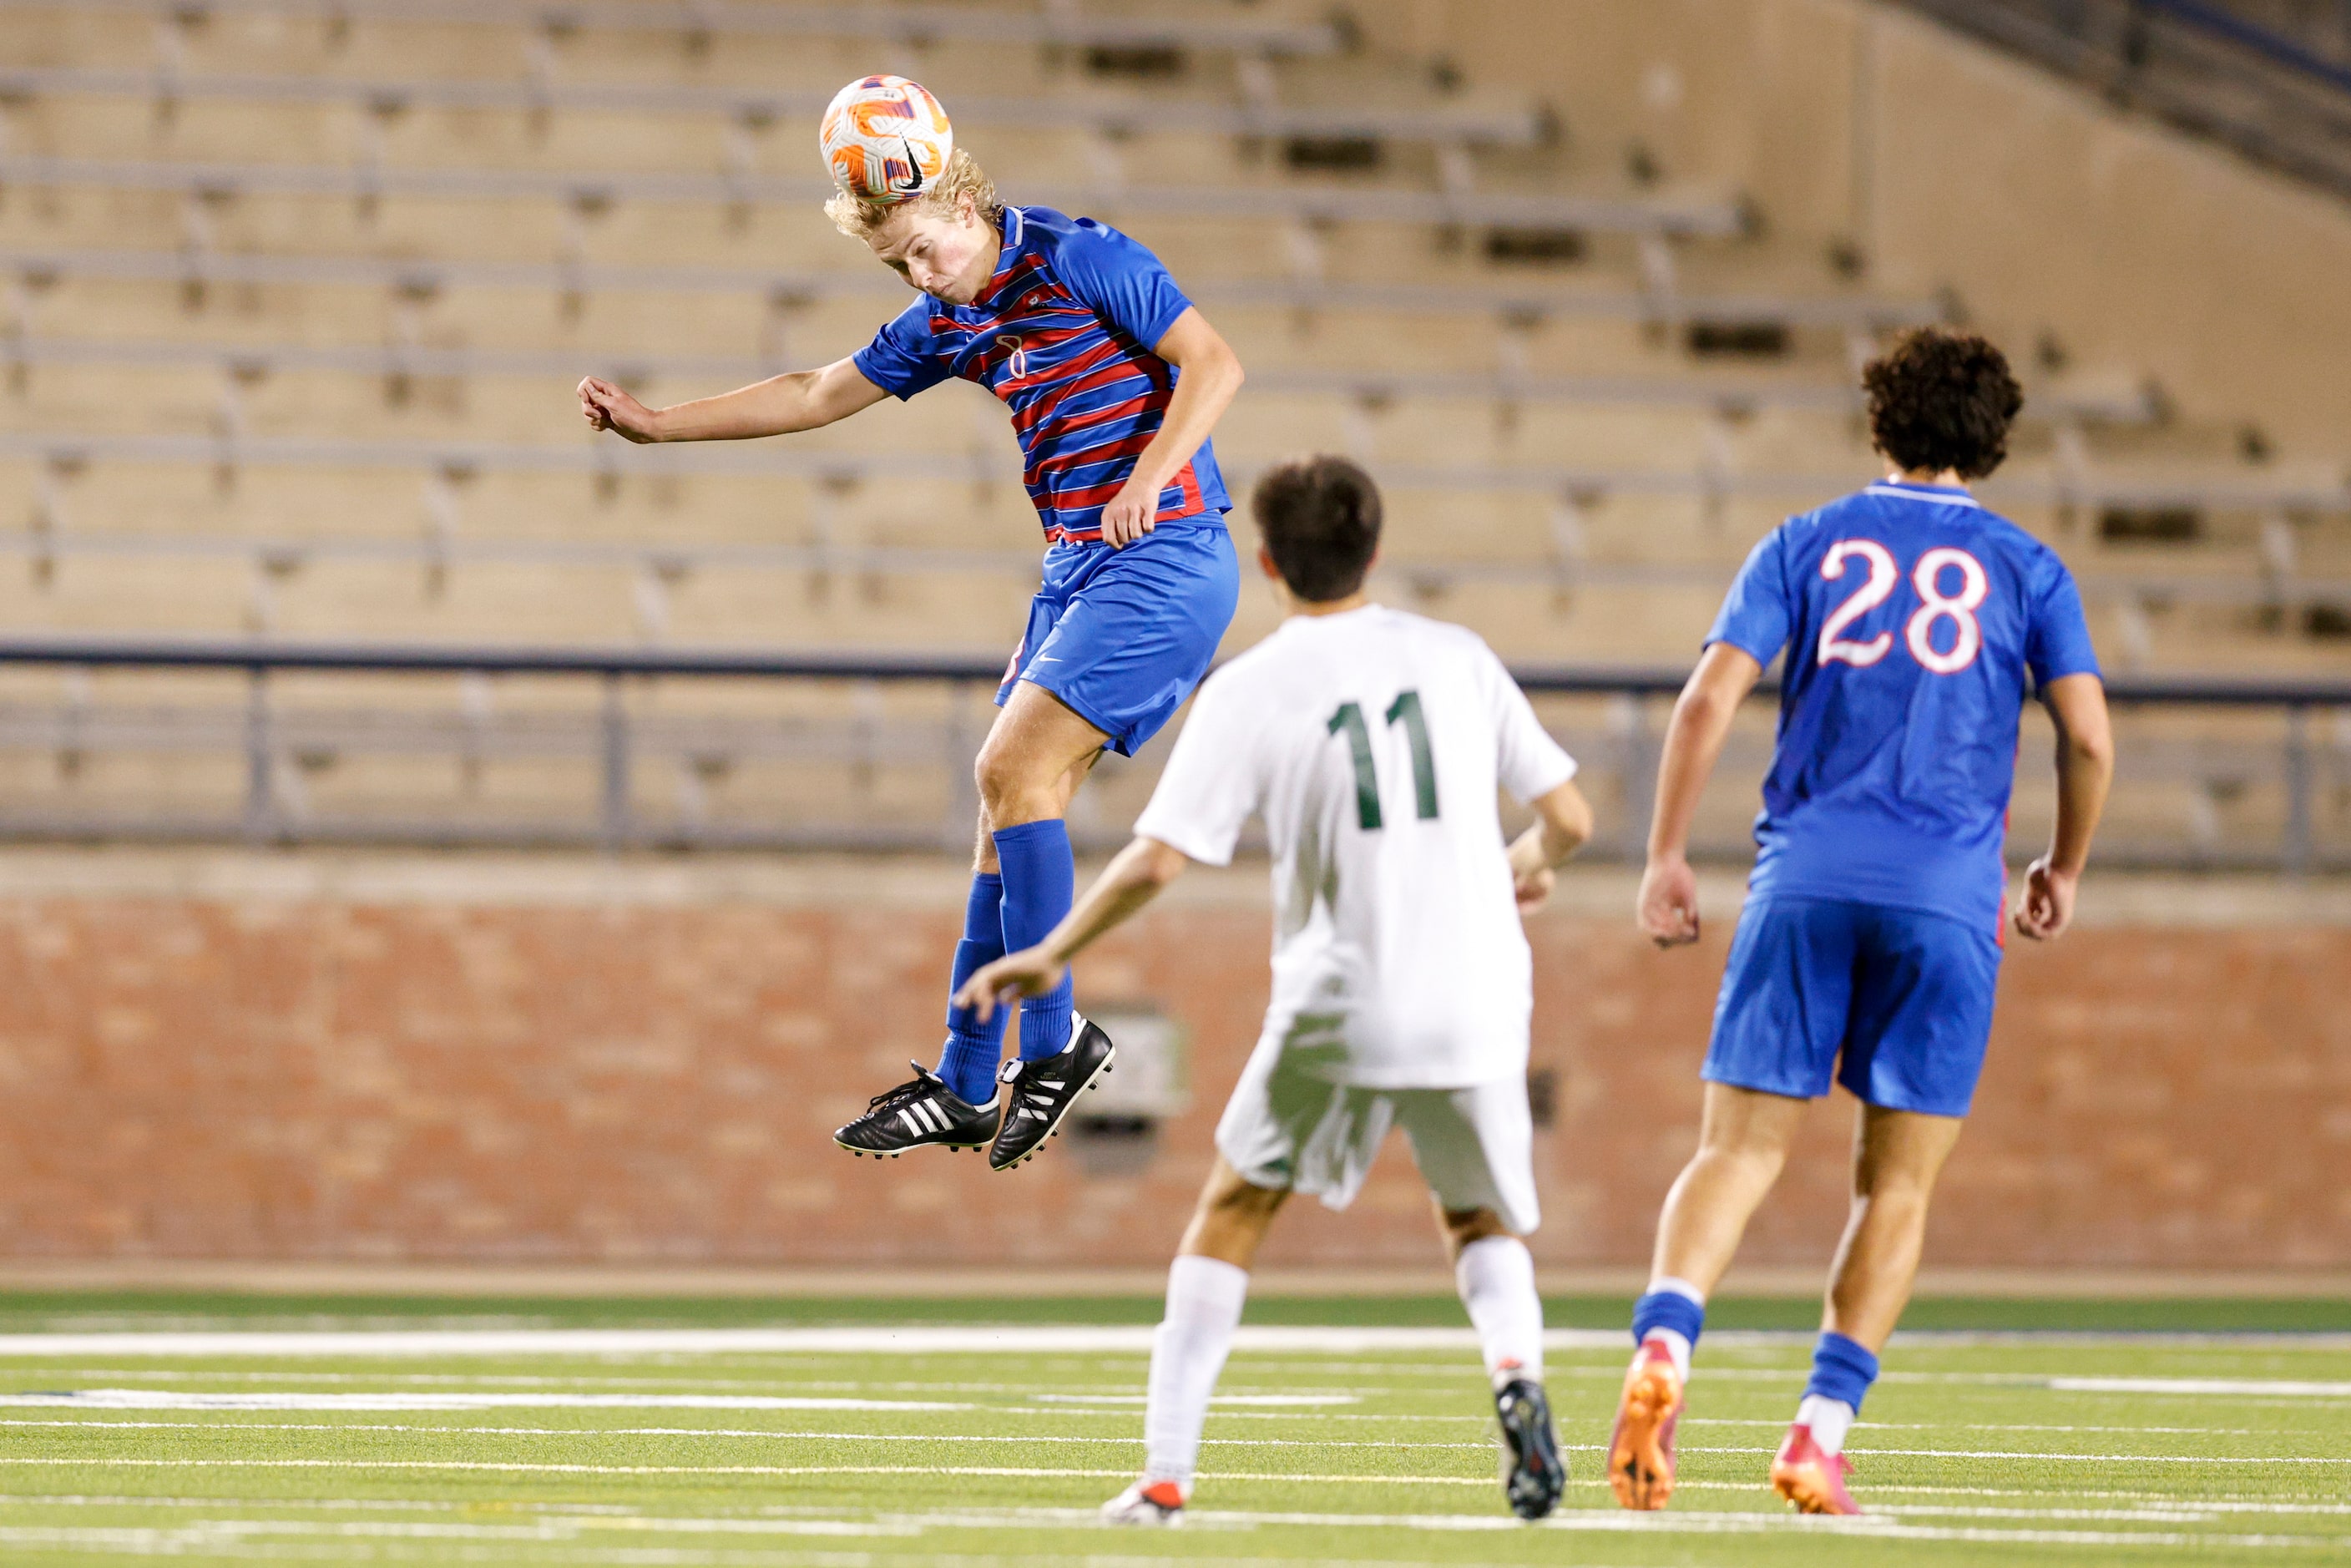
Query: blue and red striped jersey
pixel 1062 334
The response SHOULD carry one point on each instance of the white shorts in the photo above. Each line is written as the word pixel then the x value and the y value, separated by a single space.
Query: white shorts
pixel 1293 1130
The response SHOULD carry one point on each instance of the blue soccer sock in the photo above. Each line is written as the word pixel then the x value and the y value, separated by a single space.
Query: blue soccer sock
pixel 1675 1311
pixel 1842 1373
pixel 968 1061
pixel 1842 1370
pixel 1041 883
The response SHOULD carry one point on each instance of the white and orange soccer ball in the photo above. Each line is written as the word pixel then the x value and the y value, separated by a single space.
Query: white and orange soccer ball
pixel 884 136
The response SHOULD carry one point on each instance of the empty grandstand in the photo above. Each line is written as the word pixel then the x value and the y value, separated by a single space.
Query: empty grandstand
pixel 294 293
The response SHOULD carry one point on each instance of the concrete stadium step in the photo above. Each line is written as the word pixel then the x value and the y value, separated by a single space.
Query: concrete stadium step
pixel 137 252
pixel 1233 30
pixel 1373 389
pixel 2311 490
pixel 596 189
pixel 761 109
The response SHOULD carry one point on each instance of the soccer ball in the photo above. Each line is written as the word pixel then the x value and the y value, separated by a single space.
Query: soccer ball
pixel 886 137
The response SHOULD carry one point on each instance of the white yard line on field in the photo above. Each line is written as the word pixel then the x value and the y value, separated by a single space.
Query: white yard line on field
pixel 962 1340
pixel 569 1530
pixel 1778 1424
pixel 1611 1521
pixel 583 1434
pixel 1127 1339
pixel 1236 1406
pixel 521 1467
pixel 167 1399
pixel 1865 1453
pixel 2146 1509
pixel 2156 1502
pixel 573 1516
pixel 1268 1399
pixel 194 1543
pixel 2151 1513
pixel 2265 1387
pixel 436 1505
pixel 103 1425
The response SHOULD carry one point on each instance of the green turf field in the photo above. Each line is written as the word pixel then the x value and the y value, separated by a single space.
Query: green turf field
pixel 656 1434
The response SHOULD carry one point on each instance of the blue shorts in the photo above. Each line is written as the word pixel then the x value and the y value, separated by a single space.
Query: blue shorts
pixel 1895 1002
pixel 1124 635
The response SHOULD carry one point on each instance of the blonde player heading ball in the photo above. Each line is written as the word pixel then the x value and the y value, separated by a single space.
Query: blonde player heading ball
pixel 1372 743
pixel 1114 382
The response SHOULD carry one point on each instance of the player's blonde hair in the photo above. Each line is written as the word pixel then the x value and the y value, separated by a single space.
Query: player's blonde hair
pixel 964 180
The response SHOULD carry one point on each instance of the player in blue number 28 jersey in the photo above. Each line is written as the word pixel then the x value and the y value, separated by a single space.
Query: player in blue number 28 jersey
pixel 1914 623
pixel 1114 382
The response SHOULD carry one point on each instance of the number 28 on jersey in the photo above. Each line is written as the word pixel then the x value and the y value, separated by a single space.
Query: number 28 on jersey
pixel 1933 571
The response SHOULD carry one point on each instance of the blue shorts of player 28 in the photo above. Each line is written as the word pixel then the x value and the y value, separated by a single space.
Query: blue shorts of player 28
pixel 1124 635
pixel 1895 1002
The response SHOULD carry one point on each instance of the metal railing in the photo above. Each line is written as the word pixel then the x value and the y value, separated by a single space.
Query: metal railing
pixel 2209 68
pixel 2257 778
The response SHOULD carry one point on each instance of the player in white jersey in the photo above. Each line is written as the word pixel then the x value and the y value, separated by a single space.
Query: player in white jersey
pixel 1372 744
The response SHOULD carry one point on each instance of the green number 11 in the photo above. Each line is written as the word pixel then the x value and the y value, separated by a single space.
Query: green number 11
pixel 1405 710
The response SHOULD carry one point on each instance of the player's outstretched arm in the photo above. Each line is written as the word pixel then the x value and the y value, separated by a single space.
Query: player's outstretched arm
pixel 803 399
pixel 1212 374
pixel 1562 825
pixel 1125 885
pixel 1667 910
pixel 2086 767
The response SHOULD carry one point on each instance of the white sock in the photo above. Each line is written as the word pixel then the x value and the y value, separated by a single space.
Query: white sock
pixel 1678 1346
pixel 1497 1277
pixel 1830 1420
pixel 1187 1351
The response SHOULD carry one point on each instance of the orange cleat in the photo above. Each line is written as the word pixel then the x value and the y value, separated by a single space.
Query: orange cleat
pixel 1812 1481
pixel 1640 1448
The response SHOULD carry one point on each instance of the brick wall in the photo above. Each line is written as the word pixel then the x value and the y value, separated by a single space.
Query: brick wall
pixel 294 1073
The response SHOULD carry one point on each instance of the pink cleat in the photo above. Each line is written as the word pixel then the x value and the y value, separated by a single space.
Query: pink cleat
pixel 1640 1448
pixel 1810 1479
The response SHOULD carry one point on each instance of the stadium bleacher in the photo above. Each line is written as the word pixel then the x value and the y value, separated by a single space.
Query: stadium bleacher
pixel 294 301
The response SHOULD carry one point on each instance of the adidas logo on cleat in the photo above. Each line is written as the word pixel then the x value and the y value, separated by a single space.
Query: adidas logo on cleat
pixel 917 1115
pixel 1038 1095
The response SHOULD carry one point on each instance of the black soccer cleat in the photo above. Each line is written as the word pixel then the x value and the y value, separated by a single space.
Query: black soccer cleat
pixel 913 1116
pixel 1533 1474
pixel 1038 1095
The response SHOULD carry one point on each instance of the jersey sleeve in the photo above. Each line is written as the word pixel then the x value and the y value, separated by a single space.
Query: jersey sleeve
pixel 2057 644
pixel 1759 612
pixel 1211 784
pixel 1527 761
pixel 1120 281
pixel 904 357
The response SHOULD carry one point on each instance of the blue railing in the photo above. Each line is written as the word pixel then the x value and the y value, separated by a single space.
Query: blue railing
pixel 2203 65
pixel 619 734
pixel 2219 22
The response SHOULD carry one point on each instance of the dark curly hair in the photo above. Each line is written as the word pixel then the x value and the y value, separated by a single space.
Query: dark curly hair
pixel 1942 400
pixel 1320 520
